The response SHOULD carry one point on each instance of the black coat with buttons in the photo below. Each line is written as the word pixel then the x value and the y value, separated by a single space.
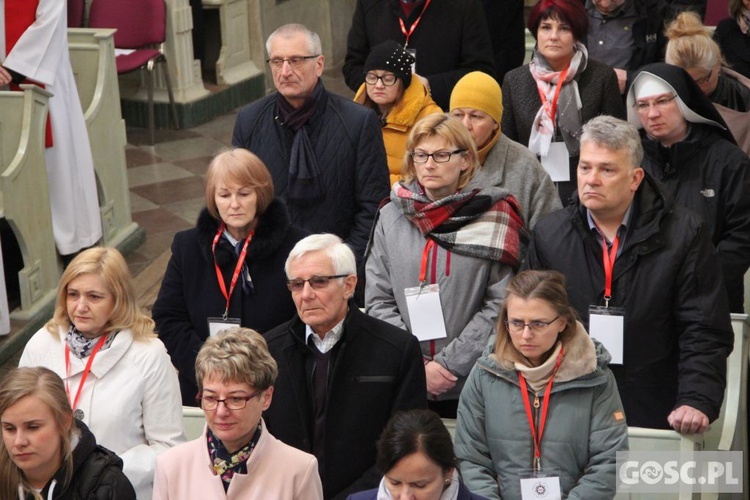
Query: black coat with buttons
pixel 668 279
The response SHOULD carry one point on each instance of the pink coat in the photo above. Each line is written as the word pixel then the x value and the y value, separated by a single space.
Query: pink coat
pixel 274 470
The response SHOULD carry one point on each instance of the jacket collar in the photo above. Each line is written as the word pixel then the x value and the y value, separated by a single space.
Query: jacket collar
pixel 351 327
pixel 270 233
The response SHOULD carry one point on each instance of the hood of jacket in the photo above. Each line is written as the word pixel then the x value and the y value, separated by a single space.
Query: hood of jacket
pixel 270 233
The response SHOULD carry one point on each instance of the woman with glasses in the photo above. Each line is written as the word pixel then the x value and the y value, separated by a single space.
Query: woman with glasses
pixel 117 374
pixel 45 452
pixel 733 36
pixel 229 269
pixel 236 457
pixel 398 99
pixel 553 402
pixel 548 100
pixel 440 255
pixel 691 47
pixel 688 147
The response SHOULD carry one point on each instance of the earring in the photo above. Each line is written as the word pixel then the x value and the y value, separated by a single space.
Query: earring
pixel 447 481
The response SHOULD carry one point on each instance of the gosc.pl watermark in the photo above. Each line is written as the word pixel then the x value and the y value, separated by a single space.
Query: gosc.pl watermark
pixel 675 471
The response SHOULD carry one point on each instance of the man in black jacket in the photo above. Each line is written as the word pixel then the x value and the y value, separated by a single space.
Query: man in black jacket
pixel 342 374
pixel 325 153
pixel 646 267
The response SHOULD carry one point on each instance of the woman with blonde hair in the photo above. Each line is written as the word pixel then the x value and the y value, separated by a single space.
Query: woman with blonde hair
pixel 453 246
pixel 45 452
pixel 691 47
pixel 117 374
pixel 236 457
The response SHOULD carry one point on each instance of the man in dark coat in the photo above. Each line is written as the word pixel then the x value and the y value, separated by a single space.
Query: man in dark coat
pixel 689 148
pixel 325 153
pixel 450 38
pixel 342 374
pixel 666 288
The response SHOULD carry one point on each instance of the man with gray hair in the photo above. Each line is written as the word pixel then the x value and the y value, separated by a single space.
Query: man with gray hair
pixel 325 153
pixel 646 281
pixel 342 374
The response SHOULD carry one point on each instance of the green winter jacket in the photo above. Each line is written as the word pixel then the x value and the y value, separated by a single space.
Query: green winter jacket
pixel 585 425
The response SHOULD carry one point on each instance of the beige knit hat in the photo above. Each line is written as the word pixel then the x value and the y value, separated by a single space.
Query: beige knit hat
pixel 480 91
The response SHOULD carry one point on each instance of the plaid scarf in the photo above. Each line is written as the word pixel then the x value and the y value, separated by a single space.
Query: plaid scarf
pixel 482 223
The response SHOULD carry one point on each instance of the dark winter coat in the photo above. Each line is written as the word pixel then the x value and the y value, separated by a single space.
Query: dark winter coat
pixel 600 95
pixel 190 292
pixel 97 474
pixel 709 175
pixel 667 277
pixel 348 145
pixel 451 40
pixel 734 44
pixel 376 370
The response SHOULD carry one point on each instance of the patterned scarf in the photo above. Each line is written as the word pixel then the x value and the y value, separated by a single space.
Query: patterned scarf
pixel 226 464
pixel 568 115
pixel 482 223
pixel 81 346
pixel 304 174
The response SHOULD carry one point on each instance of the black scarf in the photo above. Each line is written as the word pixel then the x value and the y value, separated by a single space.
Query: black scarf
pixel 304 176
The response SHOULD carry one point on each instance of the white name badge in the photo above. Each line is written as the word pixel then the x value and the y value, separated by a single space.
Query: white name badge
pixel 425 312
pixel 216 325
pixel 541 485
pixel 557 162
pixel 607 325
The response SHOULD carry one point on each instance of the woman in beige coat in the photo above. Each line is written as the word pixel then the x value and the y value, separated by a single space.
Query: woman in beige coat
pixel 236 457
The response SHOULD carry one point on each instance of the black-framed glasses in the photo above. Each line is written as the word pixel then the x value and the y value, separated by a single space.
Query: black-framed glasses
pixel 211 403
pixel 295 62
pixel 437 156
pixel 515 326
pixel 317 282
pixel 660 103
pixel 388 79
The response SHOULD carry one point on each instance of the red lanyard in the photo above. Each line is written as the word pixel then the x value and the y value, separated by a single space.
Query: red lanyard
pixel 609 263
pixel 407 34
pixel 552 108
pixel 86 370
pixel 545 406
pixel 237 268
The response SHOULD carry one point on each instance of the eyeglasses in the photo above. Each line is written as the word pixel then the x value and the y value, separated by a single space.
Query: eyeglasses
pixel 317 282
pixel 388 79
pixel 705 79
pixel 295 62
pixel 516 327
pixel 211 403
pixel 661 103
pixel 437 156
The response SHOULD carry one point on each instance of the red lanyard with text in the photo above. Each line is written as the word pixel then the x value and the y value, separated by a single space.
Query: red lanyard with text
pixel 237 268
pixel 86 370
pixel 537 437
pixel 609 263
pixel 430 245
pixel 407 34
pixel 552 108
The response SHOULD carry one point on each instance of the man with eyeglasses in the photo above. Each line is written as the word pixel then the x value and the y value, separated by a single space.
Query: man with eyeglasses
pixel 645 279
pixel 342 374
pixel 688 147
pixel 325 153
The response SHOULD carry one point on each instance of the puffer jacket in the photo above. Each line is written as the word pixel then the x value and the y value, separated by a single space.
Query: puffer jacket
pixel 415 104
pixel 709 175
pixel 97 474
pixel 350 156
pixel 584 430
pixel 668 278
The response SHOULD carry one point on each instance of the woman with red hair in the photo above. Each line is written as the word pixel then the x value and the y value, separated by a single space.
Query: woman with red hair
pixel 548 100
